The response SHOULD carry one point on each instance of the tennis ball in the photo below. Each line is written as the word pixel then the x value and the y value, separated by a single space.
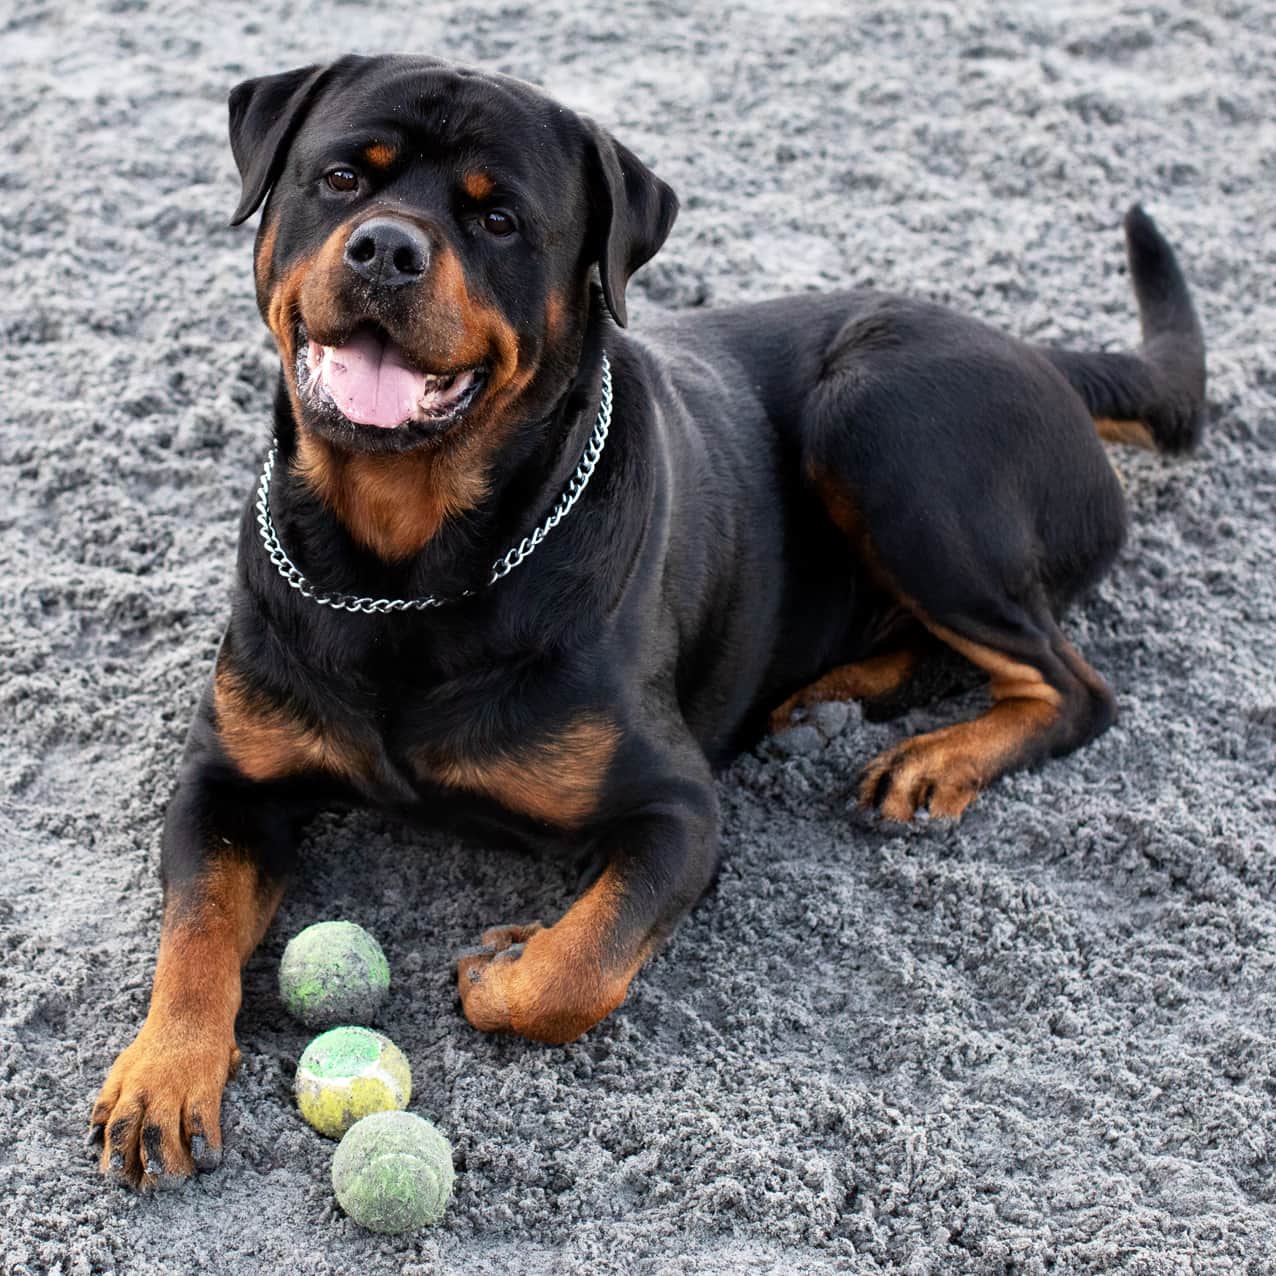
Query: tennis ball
pixel 333 973
pixel 393 1172
pixel 347 1073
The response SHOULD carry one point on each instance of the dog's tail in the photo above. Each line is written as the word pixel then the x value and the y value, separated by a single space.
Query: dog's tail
pixel 1155 398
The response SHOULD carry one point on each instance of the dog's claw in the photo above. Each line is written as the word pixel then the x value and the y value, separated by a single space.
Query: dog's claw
pixel 204 1154
pixel 871 785
pixel 479 950
pixel 499 938
pixel 152 1157
pixel 497 943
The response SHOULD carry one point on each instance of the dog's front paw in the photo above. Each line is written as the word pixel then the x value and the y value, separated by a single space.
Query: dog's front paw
pixel 157 1119
pixel 540 982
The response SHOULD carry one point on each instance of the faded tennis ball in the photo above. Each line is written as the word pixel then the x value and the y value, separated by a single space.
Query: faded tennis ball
pixel 393 1172
pixel 347 1073
pixel 333 973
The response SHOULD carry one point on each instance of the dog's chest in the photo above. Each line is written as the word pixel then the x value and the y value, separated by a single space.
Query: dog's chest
pixel 553 776
pixel 493 729
pixel 550 769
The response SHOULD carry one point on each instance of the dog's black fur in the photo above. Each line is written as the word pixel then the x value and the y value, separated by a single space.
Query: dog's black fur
pixel 787 489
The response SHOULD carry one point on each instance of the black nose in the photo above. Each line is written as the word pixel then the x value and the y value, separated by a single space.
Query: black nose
pixel 388 252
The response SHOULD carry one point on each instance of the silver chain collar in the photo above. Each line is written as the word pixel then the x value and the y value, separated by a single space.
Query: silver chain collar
pixel 503 565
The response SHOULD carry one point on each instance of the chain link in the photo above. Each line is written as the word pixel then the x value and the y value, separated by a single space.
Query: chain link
pixel 500 568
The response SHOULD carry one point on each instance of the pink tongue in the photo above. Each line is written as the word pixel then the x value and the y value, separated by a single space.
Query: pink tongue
pixel 368 380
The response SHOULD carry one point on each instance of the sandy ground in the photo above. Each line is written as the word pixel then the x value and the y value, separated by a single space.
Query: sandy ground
pixel 1045 1040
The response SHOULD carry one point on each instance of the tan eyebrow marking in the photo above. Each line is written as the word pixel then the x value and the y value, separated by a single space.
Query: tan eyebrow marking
pixel 379 155
pixel 478 185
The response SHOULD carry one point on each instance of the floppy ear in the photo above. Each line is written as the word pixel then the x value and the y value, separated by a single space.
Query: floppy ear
pixel 264 115
pixel 635 211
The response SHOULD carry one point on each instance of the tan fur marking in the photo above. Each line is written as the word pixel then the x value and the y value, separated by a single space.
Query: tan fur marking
pixel 1009 679
pixel 557 780
pixel 567 977
pixel 480 332
pixel 266 742
pixel 318 297
pixel 379 155
pixel 392 505
pixel 555 315
pixel 288 306
pixel 869 679
pixel 841 508
pixel 284 310
pixel 847 517
pixel 478 186
pixel 1134 433
pixel 263 258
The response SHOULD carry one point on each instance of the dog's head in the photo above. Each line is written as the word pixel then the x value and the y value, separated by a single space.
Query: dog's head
pixel 426 249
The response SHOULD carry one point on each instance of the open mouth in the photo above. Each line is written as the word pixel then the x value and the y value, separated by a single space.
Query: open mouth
pixel 369 381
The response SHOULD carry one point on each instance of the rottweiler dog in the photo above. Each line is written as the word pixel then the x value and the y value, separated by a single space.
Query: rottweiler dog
pixel 513 569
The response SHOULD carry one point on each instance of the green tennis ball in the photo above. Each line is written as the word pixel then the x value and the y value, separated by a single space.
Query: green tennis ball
pixel 346 1074
pixel 393 1172
pixel 333 973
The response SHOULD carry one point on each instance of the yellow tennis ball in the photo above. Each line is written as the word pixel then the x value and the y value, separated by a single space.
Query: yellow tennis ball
pixel 347 1073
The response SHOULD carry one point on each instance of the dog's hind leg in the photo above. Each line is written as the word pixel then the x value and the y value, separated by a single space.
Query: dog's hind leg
pixel 874 679
pixel 968 477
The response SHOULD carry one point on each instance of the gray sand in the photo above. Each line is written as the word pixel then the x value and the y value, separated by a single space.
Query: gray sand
pixel 1045 1040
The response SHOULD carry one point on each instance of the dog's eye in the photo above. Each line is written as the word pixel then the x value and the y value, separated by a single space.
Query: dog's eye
pixel 343 180
pixel 498 223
